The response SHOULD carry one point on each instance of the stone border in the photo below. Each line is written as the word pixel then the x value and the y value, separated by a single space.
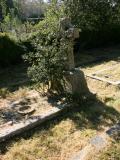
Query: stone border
pixel 93 76
pixel 103 79
pixel 30 123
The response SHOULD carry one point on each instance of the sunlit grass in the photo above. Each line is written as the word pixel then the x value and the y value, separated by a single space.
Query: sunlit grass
pixel 111 153
pixel 56 143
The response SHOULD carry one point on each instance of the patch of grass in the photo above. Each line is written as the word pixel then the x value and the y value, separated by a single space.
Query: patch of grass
pixel 94 68
pixel 20 93
pixel 4 92
pixel 97 57
pixel 56 143
pixel 112 74
pixel 111 153
pixel 14 77
pixel 68 133
pixel 63 136
pixel 115 103
pixel 10 50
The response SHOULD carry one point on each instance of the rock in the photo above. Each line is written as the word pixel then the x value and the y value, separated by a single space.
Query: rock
pixel 76 82
pixel 114 131
pixel 10 123
pixel 98 142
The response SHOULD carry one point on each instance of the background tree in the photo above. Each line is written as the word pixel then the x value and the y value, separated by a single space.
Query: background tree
pixel 26 8
pixel 3 8
pixel 99 20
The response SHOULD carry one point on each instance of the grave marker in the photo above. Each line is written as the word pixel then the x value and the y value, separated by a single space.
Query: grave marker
pixel 75 80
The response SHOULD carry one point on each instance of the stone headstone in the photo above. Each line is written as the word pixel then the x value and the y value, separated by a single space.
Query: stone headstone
pixel 75 80
pixel 71 33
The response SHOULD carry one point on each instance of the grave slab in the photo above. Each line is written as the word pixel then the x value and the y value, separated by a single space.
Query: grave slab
pixel 33 121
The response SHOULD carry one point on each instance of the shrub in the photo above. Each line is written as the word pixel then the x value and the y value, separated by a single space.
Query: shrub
pixel 10 22
pixel 48 59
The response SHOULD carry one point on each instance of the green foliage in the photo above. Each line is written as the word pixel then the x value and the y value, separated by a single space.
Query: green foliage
pixel 3 7
pixel 10 23
pixel 48 59
pixel 17 29
pixel 113 152
pixel 3 92
pixel 99 20
pixel 10 50
pixel 93 14
pixel 31 9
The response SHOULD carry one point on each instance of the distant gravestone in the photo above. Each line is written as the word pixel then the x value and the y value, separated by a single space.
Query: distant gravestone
pixel 75 80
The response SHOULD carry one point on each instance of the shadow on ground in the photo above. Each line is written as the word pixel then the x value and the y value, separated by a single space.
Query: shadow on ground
pixel 14 77
pixel 90 114
pixel 90 58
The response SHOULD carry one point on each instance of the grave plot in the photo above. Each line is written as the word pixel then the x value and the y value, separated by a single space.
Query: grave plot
pixel 25 113
pixel 107 72
pixel 95 68
pixel 41 108
pixel 112 73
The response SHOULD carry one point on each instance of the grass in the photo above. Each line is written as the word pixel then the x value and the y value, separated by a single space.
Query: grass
pixel 94 68
pixel 14 85
pixel 4 92
pixel 111 74
pixel 56 144
pixel 108 94
pixel 63 136
pixel 93 57
pixel 115 102
pixel 14 77
pixel 56 140
pixel 112 152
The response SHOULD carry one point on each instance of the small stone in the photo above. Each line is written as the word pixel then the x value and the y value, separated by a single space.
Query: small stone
pixel 98 141
pixel 10 123
pixel 106 76
pixel 59 103
pixel 114 131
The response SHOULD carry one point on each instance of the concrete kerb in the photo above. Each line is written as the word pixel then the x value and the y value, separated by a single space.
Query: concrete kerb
pixel 32 122
pixel 103 79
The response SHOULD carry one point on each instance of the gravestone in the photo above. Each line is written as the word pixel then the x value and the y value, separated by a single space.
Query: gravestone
pixel 75 79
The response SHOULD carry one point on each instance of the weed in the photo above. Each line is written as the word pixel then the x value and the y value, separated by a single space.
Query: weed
pixel 4 92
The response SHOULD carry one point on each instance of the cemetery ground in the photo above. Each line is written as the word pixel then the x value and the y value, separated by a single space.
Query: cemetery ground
pixel 68 133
